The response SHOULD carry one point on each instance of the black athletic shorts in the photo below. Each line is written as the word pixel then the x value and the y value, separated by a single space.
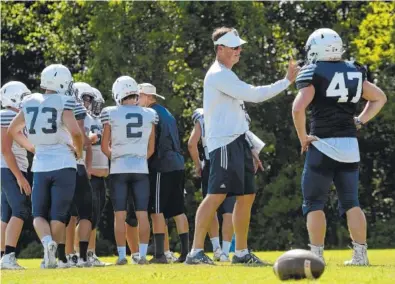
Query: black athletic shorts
pixel 167 193
pixel 232 169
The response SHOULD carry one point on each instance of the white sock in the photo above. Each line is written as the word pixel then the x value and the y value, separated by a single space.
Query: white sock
pixel 226 247
pixel 46 240
pixel 241 253
pixel 143 250
pixel 121 252
pixel 167 252
pixel 215 242
pixel 195 251
pixel 136 254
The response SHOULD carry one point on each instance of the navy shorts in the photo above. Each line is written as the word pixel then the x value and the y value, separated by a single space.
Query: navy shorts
pixel 131 218
pixel 232 169
pixel 83 200
pixel 318 174
pixel 99 196
pixel 167 193
pixel 53 193
pixel 121 184
pixel 13 202
pixel 229 203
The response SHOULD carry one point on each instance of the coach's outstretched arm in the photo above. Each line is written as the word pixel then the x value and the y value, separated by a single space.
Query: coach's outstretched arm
pixel 231 85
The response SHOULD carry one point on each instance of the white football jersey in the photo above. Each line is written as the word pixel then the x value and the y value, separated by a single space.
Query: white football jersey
pixel 45 129
pixel 93 125
pixel 130 131
pixel 6 116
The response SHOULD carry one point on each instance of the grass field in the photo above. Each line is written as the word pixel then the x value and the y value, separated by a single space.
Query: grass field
pixel 382 270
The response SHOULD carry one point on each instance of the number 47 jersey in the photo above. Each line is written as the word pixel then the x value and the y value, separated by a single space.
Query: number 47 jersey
pixel 338 89
pixel 131 127
pixel 45 129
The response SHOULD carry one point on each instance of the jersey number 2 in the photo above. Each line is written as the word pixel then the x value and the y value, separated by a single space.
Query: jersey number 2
pixel 337 87
pixel 138 124
pixel 51 120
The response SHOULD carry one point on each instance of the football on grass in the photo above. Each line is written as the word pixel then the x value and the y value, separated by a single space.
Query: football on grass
pixel 298 264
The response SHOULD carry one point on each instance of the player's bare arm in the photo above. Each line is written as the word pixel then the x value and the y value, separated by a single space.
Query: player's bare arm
pixel 105 140
pixel 151 142
pixel 75 131
pixel 301 102
pixel 376 100
pixel 193 148
pixel 6 150
pixel 87 148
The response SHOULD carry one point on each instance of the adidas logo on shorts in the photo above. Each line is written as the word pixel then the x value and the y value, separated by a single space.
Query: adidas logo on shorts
pixel 222 186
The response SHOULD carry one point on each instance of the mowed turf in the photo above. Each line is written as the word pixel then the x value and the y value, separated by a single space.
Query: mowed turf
pixel 382 270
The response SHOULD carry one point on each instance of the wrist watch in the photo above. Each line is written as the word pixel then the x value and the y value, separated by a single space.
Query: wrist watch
pixel 358 122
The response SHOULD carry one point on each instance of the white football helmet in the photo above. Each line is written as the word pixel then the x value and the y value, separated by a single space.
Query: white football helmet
pixel 58 78
pixel 12 94
pixel 83 89
pixel 324 44
pixel 123 87
pixel 98 102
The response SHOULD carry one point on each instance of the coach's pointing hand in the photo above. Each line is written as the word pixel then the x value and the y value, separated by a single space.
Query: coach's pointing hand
pixel 293 70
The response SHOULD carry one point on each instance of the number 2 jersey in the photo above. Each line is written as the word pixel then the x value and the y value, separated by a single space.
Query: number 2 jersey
pixel 45 129
pixel 6 116
pixel 131 127
pixel 338 89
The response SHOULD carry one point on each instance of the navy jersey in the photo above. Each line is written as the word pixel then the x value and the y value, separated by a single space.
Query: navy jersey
pixel 338 89
pixel 167 156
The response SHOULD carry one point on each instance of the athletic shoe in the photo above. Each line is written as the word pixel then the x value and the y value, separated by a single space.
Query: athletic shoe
pixel 142 261
pixel 82 263
pixel 170 257
pixel 72 259
pixel 217 254
pixel 62 264
pixel 181 259
pixel 8 261
pixel 318 251
pixel 249 259
pixel 94 260
pixel 198 258
pixel 159 260
pixel 50 255
pixel 121 261
pixel 134 258
pixel 359 256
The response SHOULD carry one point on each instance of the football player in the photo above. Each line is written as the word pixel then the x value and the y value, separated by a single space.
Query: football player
pixel 332 88
pixel 15 188
pixel 128 140
pixel 53 130
pixel 82 206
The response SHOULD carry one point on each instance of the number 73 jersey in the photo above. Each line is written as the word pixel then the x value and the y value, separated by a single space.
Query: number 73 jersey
pixel 130 129
pixel 338 89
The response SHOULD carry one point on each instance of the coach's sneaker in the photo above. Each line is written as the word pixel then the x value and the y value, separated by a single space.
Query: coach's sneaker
pixel 249 259
pixel 8 261
pixel 159 260
pixel 199 258
pixel 50 255
pixel 94 260
pixel 171 258
pixel 121 261
pixel 359 255
pixel 72 259
pixel 318 251
pixel 62 265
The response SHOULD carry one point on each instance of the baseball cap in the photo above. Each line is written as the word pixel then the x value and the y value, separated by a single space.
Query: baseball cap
pixel 230 39
pixel 148 89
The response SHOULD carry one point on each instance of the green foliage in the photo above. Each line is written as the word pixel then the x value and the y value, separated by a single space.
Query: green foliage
pixel 33 250
pixel 169 44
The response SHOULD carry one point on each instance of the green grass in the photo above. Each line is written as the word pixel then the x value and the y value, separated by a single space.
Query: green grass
pixel 382 270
